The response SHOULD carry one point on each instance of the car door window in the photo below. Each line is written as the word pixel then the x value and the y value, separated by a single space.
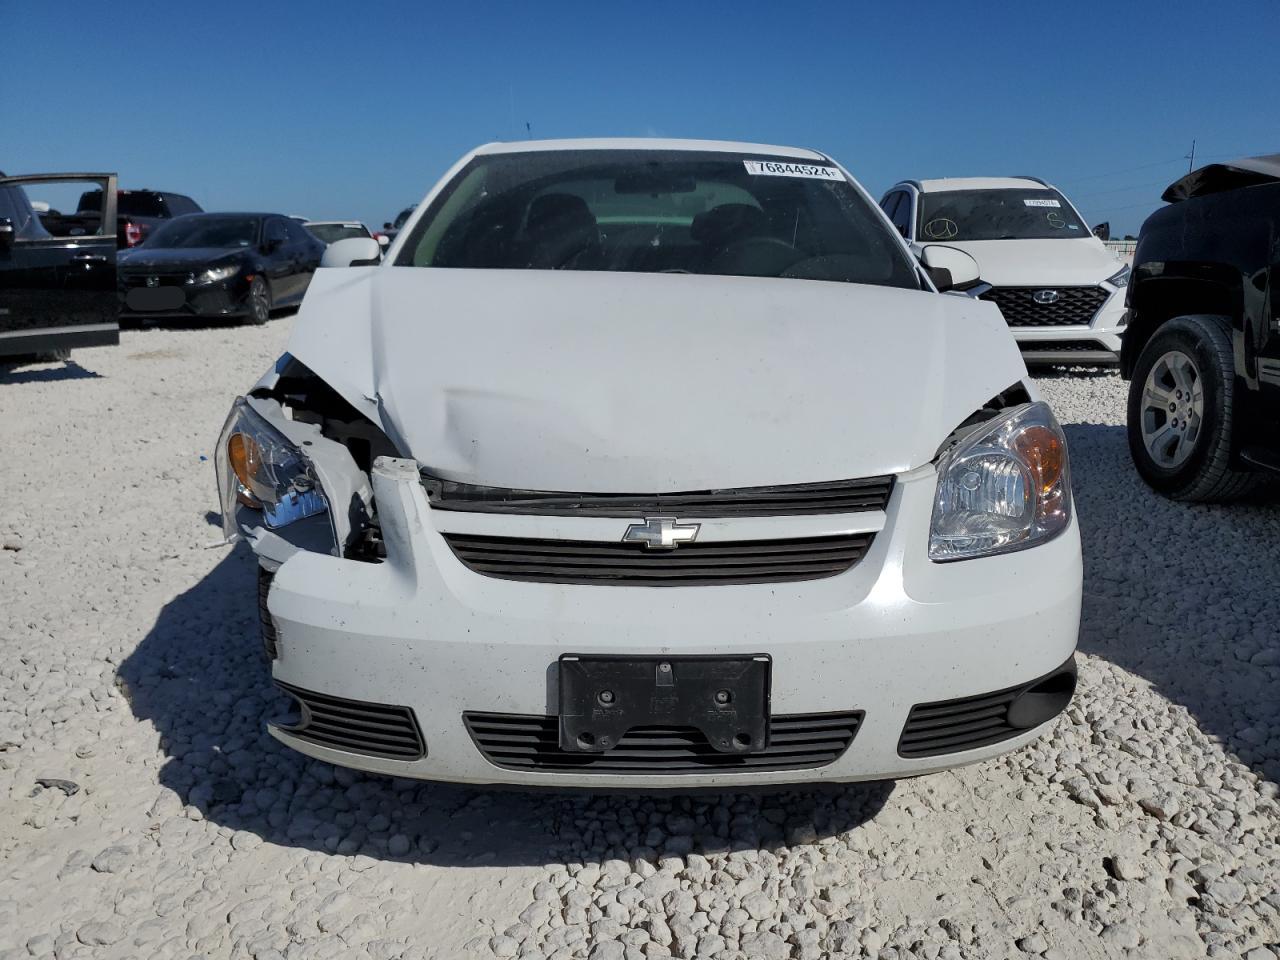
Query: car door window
pixel 901 215
pixel 297 234
pixel 890 203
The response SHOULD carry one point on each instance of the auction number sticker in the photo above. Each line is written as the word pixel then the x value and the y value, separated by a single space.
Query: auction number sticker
pixel 1042 203
pixel 773 168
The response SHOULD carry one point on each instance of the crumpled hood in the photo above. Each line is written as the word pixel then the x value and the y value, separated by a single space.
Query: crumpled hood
pixel 142 258
pixel 1082 261
pixel 618 382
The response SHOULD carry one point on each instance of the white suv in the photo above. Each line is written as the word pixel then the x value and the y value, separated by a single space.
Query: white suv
pixel 1059 288
pixel 654 464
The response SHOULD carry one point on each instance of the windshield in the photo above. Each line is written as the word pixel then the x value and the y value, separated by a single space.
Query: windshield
pixel 333 232
pixel 652 211
pixel 998 215
pixel 201 231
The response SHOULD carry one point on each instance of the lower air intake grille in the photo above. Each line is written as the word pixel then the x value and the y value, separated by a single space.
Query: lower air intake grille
pixel 1061 346
pixel 375 729
pixel 533 743
pixel 1073 306
pixel 949 726
pixel 630 564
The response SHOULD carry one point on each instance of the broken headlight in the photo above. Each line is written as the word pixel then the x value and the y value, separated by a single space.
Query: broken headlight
pixel 260 468
pixel 1004 487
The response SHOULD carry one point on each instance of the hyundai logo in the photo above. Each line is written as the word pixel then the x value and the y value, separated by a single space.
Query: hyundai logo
pixel 661 533
pixel 1045 296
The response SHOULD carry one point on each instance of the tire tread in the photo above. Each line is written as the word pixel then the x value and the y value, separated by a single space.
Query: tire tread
pixel 1216 481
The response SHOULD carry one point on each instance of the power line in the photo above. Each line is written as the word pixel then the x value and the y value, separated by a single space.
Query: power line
pixel 1136 186
pixel 1111 173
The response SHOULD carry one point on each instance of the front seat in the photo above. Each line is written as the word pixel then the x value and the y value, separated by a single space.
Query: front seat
pixel 562 233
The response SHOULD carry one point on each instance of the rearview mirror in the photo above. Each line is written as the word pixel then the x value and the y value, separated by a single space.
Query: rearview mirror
pixel 352 252
pixel 949 268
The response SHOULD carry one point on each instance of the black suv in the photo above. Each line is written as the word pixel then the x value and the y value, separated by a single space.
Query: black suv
pixel 1202 348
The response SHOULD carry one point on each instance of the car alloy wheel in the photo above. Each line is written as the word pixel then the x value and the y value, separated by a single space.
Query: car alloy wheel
pixel 259 301
pixel 1172 409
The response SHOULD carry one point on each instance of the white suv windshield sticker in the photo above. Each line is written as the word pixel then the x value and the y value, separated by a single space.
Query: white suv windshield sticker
pixel 1042 203
pixel 774 169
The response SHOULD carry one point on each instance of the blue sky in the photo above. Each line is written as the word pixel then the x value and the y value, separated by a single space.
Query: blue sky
pixel 354 109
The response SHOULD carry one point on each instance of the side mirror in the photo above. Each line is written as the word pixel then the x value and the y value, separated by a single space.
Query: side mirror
pixel 6 231
pixel 1103 231
pixel 949 268
pixel 383 240
pixel 352 252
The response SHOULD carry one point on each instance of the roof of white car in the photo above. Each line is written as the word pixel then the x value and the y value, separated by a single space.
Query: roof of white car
pixel 651 143
pixel 980 183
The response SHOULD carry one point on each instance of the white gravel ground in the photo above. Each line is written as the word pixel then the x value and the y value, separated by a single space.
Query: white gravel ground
pixel 145 813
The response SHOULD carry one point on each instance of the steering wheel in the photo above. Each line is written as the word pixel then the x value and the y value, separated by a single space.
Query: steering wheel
pixel 776 252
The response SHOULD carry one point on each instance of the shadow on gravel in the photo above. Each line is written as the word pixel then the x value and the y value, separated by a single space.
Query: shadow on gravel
pixel 137 322
pixel 200 678
pixel 1183 595
pixel 69 370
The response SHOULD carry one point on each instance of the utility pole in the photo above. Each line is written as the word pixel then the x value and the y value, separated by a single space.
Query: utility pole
pixel 1191 157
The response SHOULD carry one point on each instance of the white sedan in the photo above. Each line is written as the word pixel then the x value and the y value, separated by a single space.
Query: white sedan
pixel 654 464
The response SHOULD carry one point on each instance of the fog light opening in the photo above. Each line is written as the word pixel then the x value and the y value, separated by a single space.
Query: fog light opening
pixel 1043 700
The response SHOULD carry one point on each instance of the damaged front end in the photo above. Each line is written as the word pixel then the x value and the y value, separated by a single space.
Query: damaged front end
pixel 293 470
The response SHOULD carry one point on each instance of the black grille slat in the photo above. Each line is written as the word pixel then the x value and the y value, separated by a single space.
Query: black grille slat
pixel 950 726
pixel 840 496
pixel 691 564
pixel 375 729
pixel 1075 306
pixel 533 743
pixel 1062 346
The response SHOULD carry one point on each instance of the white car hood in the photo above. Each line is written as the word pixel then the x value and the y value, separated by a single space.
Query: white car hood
pixel 619 382
pixel 1083 261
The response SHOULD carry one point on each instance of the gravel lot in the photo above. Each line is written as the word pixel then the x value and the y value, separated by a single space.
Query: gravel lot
pixel 145 812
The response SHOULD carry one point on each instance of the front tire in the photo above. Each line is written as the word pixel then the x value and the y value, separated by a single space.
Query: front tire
pixel 1181 412
pixel 258 302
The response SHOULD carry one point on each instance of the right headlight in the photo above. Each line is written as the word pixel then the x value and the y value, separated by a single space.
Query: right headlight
pixel 260 468
pixel 1004 487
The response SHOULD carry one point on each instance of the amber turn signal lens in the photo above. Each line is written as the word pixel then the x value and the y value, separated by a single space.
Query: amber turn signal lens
pixel 245 459
pixel 1044 452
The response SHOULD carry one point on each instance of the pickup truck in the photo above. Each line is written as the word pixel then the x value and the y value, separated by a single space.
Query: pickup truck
pixel 56 293
pixel 138 212
pixel 1202 347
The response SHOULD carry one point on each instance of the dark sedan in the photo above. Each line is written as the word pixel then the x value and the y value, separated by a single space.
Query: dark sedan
pixel 219 265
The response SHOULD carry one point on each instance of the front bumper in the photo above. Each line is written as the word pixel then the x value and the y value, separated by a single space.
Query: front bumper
pixel 424 632
pixel 226 298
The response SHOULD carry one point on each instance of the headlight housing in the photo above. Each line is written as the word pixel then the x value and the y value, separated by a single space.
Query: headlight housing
pixel 1121 277
pixel 1005 487
pixel 214 274
pixel 260 468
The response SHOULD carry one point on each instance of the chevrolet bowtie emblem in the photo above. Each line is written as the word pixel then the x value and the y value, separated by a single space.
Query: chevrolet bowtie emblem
pixel 661 533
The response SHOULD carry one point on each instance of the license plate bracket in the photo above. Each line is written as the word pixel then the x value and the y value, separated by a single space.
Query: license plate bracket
pixel 603 697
